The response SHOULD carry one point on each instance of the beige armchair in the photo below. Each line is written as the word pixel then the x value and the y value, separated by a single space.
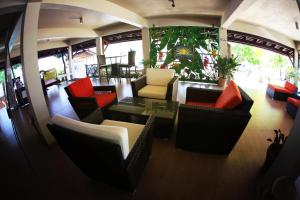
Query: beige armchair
pixel 156 84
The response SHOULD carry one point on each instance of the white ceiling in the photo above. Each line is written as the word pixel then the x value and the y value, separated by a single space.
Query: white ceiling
pixel 151 8
pixel 68 17
pixel 277 15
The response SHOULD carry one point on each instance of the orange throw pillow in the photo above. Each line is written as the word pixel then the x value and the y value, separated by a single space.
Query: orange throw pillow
pixel 230 97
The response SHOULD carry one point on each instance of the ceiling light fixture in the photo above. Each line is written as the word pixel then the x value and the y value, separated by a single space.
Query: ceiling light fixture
pixel 81 20
pixel 173 3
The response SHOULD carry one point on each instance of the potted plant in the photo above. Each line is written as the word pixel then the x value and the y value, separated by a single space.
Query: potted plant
pixel 292 75
pixel 225 67
pixel 274 149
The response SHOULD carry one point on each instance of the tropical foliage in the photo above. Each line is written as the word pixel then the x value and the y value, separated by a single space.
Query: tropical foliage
pixel 261 65
pixel 292 75
pixel 204 45
pixel 247 53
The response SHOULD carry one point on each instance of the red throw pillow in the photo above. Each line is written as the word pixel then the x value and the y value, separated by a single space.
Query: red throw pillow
pixel 82 88
pixel 290 87
pixel 230 97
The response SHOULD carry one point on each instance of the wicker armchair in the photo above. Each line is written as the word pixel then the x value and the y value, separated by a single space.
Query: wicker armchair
pixel 103 158
pixel 281 92
pixel 156 84
pixel 86 98
pixel 209 129
pixel 292 105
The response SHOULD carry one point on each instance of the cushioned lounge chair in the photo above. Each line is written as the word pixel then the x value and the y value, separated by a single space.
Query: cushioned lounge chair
pixel 281 93
pixel 292 105
pixel 156 84
pixel 212 121
pixel 110 151
pixel 85 98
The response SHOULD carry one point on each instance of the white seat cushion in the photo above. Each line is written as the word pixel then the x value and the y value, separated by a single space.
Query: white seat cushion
pixel 154 92
pixel 114 134
pixel 159 77
pixel 134 130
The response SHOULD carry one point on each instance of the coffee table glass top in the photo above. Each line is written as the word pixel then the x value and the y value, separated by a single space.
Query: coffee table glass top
pixel 144 106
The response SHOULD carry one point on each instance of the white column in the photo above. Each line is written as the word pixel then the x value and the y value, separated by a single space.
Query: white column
pixel 296 56
pixel 70 55
pixel 99 46
pixel 146 43
pixel 297 53
pixel 99 51
pixel 223 42
pixel 31 70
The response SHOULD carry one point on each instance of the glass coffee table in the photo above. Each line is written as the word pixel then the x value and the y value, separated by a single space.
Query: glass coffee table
pixel 137 110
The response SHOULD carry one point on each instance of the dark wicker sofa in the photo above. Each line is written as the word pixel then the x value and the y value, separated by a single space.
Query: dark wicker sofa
pixel 101 159
pixel 209 129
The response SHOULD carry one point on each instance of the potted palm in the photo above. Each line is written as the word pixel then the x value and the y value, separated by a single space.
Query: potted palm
pixel 292 75
pixel 226 67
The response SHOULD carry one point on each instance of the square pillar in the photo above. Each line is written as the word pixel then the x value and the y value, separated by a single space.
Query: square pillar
pixel 223 51
pixel 99 46
pixel 146 43
pixel 70 56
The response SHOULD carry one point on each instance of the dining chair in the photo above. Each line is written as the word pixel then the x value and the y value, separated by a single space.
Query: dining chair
pixel 129 65
pixel 102 65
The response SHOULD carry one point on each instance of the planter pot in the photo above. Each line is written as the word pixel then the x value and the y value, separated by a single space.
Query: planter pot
pixel 272 152
pixel 222 82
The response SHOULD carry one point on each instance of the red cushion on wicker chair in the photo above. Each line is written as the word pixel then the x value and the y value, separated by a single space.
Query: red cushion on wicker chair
pixel 289 86
pixel 230 97
pixel 104 99
pixel 194 103
pixel 82 88
pixel 295 102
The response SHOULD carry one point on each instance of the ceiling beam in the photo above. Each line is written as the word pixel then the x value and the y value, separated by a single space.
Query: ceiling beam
pixel 105 7
pixel 57 33
pixel 233 9
pixel 115 28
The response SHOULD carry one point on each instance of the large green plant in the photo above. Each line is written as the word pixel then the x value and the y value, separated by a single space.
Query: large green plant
pixel 201 40
pixel 226 66
pixel 292 75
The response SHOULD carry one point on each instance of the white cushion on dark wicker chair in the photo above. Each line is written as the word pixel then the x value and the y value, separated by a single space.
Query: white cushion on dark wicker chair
pixel 153 91
pixel 159 77
pixel 114 134
pixel 134 130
